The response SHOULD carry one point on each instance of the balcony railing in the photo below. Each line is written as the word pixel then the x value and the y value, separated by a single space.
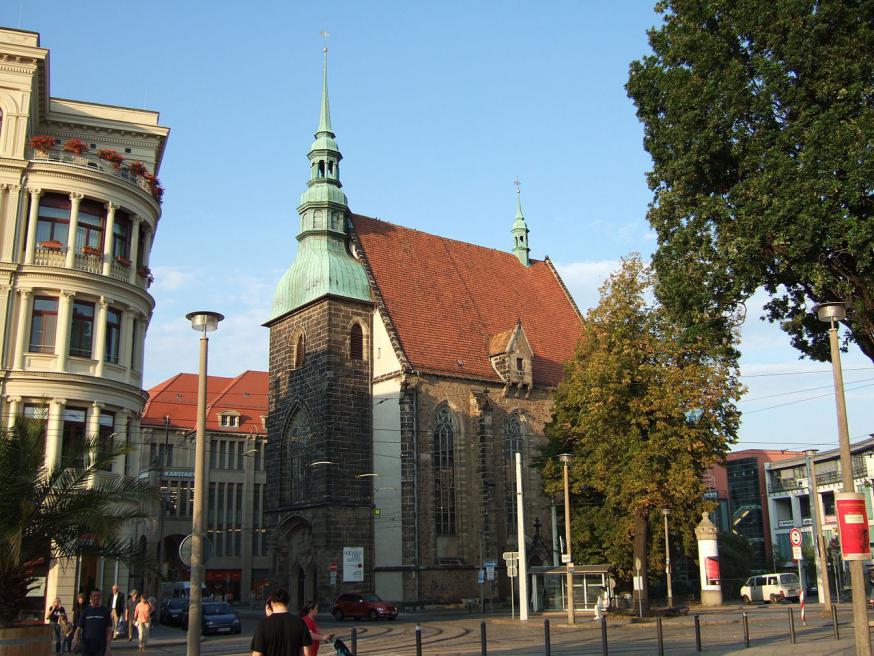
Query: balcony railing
pixel 93 163
pixel 87 262
pixel 786 485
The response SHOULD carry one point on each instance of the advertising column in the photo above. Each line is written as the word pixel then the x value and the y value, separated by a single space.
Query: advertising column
pixel 708 558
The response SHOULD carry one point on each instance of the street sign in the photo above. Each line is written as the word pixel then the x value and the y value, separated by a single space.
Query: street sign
pixel 796 552
pixel 490 569
pixel 565 558
pixel 512 571
pixel 481 576
pixel 510 555
pixel 795 537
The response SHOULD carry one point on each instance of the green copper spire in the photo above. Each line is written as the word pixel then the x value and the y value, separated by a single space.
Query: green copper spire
pixel 323 264
pixel 520 230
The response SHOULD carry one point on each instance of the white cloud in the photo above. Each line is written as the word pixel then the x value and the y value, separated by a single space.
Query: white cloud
pixel 583 280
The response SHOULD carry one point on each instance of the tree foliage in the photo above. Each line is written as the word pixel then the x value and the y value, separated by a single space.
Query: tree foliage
pixel 758 117
pixel 736 555
pixel 621 411
pixel 55 512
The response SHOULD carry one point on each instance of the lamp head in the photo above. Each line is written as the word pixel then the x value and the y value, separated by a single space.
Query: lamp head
pixel 810 453
pixel 204 321
pixel 565 458
pixel 830 312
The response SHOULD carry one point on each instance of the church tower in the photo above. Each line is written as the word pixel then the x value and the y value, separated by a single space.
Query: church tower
pixel 318 497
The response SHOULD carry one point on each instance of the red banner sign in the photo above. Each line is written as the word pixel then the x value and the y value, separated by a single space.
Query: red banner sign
pixel 222 575
pixel 853 525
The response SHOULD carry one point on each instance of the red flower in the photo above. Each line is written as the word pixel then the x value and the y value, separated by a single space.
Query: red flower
pixel 76 146
pixel 42 142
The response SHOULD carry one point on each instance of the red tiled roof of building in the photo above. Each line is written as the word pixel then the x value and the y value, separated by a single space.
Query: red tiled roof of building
pixel 176 398
pixel 447 299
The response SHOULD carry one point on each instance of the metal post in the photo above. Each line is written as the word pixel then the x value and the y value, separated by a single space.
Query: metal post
pixel 857 576
pixel 604 635
pixel 823 586
pixel 791 626
pixel 835 630
pixel 482 639
pixel 697 632
pixel 354 641
pixel 522 568
pixel 746 621
pixel 660 637
pixel 196 595
pixel 547 645
pixel 565 458
pixel 418 640
pixel 667 512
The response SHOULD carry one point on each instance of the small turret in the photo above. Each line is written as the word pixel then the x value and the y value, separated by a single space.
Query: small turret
pixel 520 231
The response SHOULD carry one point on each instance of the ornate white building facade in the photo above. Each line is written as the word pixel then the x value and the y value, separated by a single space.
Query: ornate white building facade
pixel 79 207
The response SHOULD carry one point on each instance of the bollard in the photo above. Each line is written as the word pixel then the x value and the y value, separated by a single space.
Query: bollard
pixel 835 629
pixel 482 639
pixel 547 647
pixel 604 636
pixel 354 641
pixel 746 630
pixel 660 636
pixel 418 640
pixel 791 626
pixel 697 632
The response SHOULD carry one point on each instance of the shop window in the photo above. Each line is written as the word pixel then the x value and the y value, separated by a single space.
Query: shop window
pixel 43 324
pixel 82 329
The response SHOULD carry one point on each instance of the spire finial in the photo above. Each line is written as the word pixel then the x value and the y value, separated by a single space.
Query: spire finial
pixel 325 113
pixel 518 184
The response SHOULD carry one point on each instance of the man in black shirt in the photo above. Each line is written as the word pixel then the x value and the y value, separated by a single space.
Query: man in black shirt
pixel 94 629
pixel 283 633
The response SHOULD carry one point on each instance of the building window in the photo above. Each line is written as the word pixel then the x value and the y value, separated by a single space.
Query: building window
pixel 43 324
pixel 229 421
pixel 113 335
pixel 295 456
pixel 513 443
pixel 444 472
pixel 74 446
pixel 53 223
pixel 107 433
pixel 356 342
pixel 121 236
pixel 299 349
pixel 90 230
pixel 82 330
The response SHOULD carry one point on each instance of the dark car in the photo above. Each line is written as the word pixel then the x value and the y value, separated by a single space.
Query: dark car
pixel 369 605
pixel 171 611
pixel 217 617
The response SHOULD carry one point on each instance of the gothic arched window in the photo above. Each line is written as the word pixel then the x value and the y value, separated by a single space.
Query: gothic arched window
pixel 443 465
pixel 356 342
pixel 299 350
pixel 513 443
pixel 294 471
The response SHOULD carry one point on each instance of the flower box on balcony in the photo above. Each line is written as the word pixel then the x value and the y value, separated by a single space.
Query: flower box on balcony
pixel 137 168
pixel 75 146
pixel 122 260
pixel 43 143
pixel 90 250
pixel 111 156
pixel 51 245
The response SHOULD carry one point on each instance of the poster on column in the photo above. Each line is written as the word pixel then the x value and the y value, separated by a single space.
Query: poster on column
pixel 353 564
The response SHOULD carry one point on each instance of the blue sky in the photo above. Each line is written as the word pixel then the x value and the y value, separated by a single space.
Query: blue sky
pixel 437 108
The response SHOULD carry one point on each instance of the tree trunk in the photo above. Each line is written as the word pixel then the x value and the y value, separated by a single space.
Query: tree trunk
pixel 641 544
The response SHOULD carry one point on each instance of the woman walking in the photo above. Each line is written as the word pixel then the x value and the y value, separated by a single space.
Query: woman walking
pixel 308 615
pixel 143 620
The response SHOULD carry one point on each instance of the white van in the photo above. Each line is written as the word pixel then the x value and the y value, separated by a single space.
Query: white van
pixel 771 587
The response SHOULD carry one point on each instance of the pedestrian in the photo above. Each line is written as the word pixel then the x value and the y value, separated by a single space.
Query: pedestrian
pixel 67 631
pixel 117 609
pixel 131 603
pixel 94 628
pixel 308 614
pixel 143 620
pixel 282 633
pixel 53 618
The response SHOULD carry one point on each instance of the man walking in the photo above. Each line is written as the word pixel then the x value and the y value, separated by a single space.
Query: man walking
pixel 94 629
pixel 117 608
pixel 282 633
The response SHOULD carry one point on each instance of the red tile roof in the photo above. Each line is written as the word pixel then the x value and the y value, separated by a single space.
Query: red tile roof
pixel 176 397
pixel 447 299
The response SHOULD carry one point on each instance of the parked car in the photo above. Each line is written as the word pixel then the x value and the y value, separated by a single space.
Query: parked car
pixel 172 610
pixel 217 617
pixel 771 587
pixel 369 605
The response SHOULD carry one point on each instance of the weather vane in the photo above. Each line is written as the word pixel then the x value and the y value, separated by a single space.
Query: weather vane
pixel 518 184
pixel 325 34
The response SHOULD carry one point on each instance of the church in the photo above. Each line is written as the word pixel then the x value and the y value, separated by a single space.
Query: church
pixel 406 370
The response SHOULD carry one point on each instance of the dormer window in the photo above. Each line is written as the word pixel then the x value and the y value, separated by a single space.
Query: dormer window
pixel 520 364
pixel 229 420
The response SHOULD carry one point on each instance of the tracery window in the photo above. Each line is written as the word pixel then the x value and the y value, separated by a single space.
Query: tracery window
pixel 513 443
pixel 294 470
pixel 443 464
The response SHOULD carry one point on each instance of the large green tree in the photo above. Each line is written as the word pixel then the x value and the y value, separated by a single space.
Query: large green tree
pixel 50 512
pixel 623 410
pixel 758 117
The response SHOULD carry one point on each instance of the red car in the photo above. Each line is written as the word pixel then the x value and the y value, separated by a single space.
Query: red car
pixel 352 604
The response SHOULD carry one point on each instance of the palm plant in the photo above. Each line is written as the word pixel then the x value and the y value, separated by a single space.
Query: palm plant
pixel 60 511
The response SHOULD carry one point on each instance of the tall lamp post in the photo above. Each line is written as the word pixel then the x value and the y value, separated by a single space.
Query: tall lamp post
pixel 565 459
pixel 667 512
pixel 823 586
pixel 831 313
pixel 204 322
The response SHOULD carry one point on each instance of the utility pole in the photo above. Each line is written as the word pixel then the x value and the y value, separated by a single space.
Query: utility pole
pixel 569 563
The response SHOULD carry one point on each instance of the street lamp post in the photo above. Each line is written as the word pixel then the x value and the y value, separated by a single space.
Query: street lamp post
pixel 565 459
pixel 667 512
pixel 831 313
pixel 823 586
pixel 204 322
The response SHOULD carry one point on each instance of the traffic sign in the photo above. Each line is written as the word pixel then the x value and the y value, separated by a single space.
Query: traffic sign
pixel 185 550
pixel 796 552
pixel 510 555
pixel 795 537
pixel 512 571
